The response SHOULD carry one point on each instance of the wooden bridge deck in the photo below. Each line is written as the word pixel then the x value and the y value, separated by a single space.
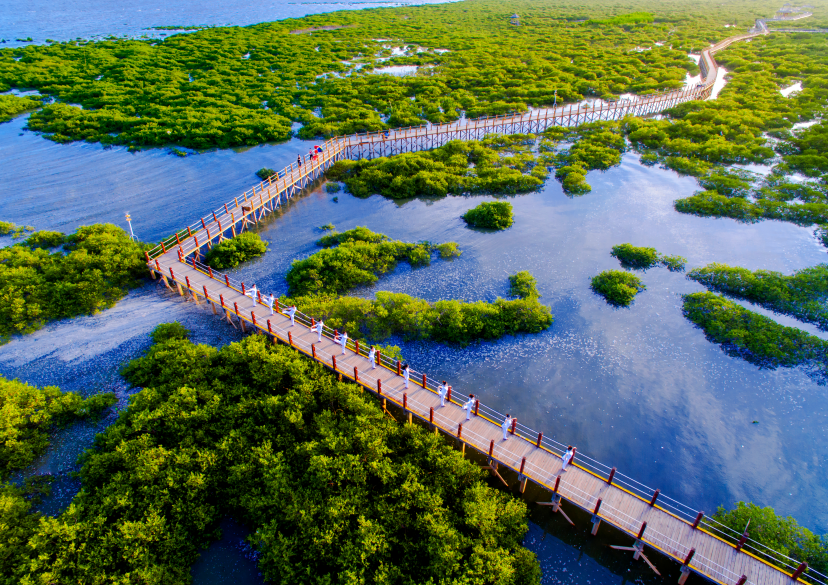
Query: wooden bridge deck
pixel 619 503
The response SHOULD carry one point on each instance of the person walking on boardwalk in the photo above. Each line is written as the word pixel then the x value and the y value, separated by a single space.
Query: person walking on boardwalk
pixel 299 160
pixel 291 312
pixel 442 391
pixel 252 292
pixel 372 357
pixel 343 341
pixel 566 458
pixel 406 373
pixel 469 406
pixel 319 326
pixel 507 422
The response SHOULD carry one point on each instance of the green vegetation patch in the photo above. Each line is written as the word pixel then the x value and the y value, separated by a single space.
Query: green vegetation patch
pixel 495 215
pixel 523 285
pixel 642 258
pixel 311 466
pixel 782 534
pixel 447 321
pixel 711 204
pixel 12 105
pixel 353 258
pixel 803 295
pixel 617 286
pixel 457 167
pixel 234 251
pixel 265 173
pixel 754 337
pixel 94 269
pixel 28 414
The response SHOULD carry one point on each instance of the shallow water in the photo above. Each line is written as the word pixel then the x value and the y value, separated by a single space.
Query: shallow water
pixel 639 388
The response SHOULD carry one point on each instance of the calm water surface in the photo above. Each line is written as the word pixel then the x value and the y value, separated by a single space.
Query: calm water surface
pixel 639 388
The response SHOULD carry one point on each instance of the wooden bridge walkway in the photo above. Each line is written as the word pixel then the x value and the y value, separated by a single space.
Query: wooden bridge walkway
pixel 652 520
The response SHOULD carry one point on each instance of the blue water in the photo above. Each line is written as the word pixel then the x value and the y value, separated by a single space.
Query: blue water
pixel 639 388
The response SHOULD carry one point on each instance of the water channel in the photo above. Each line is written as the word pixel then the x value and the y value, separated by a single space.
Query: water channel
pixel 639 388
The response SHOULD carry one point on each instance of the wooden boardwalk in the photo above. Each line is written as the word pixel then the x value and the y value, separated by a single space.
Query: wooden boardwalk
pixel 650 519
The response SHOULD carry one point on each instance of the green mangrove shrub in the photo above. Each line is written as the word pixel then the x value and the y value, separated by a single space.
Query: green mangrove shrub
pixel 754 337
pixel 447 321
pixel 642 258
pixel 523 285
pixel 265 173
pixel 230 253
pixel 617 286
pixel 802 295
pixel 94 269
pixel 495 215
pixel 28 414
pixel 782 534
pixel 353 258
pixel 12 105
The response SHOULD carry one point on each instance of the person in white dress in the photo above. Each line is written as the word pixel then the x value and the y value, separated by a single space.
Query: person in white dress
pixel 319 326
pixel 507 422
pixel 406 373
pixel 343 341
pixel 442 391
pixel 252 293
pixel 566 458
pixel 291 311
pixel 269 302
pixel 469 406
pixel 372 357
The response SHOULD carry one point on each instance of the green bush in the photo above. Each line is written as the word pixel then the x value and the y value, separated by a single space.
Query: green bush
pixel 12 105
pixel 6 227
pixel 313 467
pixel 230 253
pixel 447 321
pixel 635 257
pixel 802 295
pixel 166 331
pixel 353 258
pixel 95 269
pixel 782 534
pixel 523 285
pixel 333 187
pixel 28 414
pixel 617 286
pixel 45 239
pixel 265 173
pixel 496 215
pixel 754 337
pixel 448 250
pixel 673 263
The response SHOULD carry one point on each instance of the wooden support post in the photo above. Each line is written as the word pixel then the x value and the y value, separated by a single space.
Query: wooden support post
pixel 269 327
pixel 655 497
pixel 742 580
pixel 399 368
pixel 460 431
pixel 227 280
pixel 290 339
pixel 514 425
pixel 699 516
pixel 333 361
pixel 424 380
pixel 243 327
pixel 405 401
pixel 611 475
pixel 799 570
pixel 313 350
pixel 742 541
pixel 379 387
pixel 596 520
pixel 477 407
pixel 356 374
pixel 491 447
pixel 356 345
pixel 236 307
pixel 540 438
pixel 431 415
pixel 189 232
pixel 253 315
pixel 641 531
pixel 448 395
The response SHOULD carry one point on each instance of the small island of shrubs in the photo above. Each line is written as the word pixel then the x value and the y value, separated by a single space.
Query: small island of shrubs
pixel 754 337
pixel 494 215
pixel 643 258
pixel 232 252
pixel 617 286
